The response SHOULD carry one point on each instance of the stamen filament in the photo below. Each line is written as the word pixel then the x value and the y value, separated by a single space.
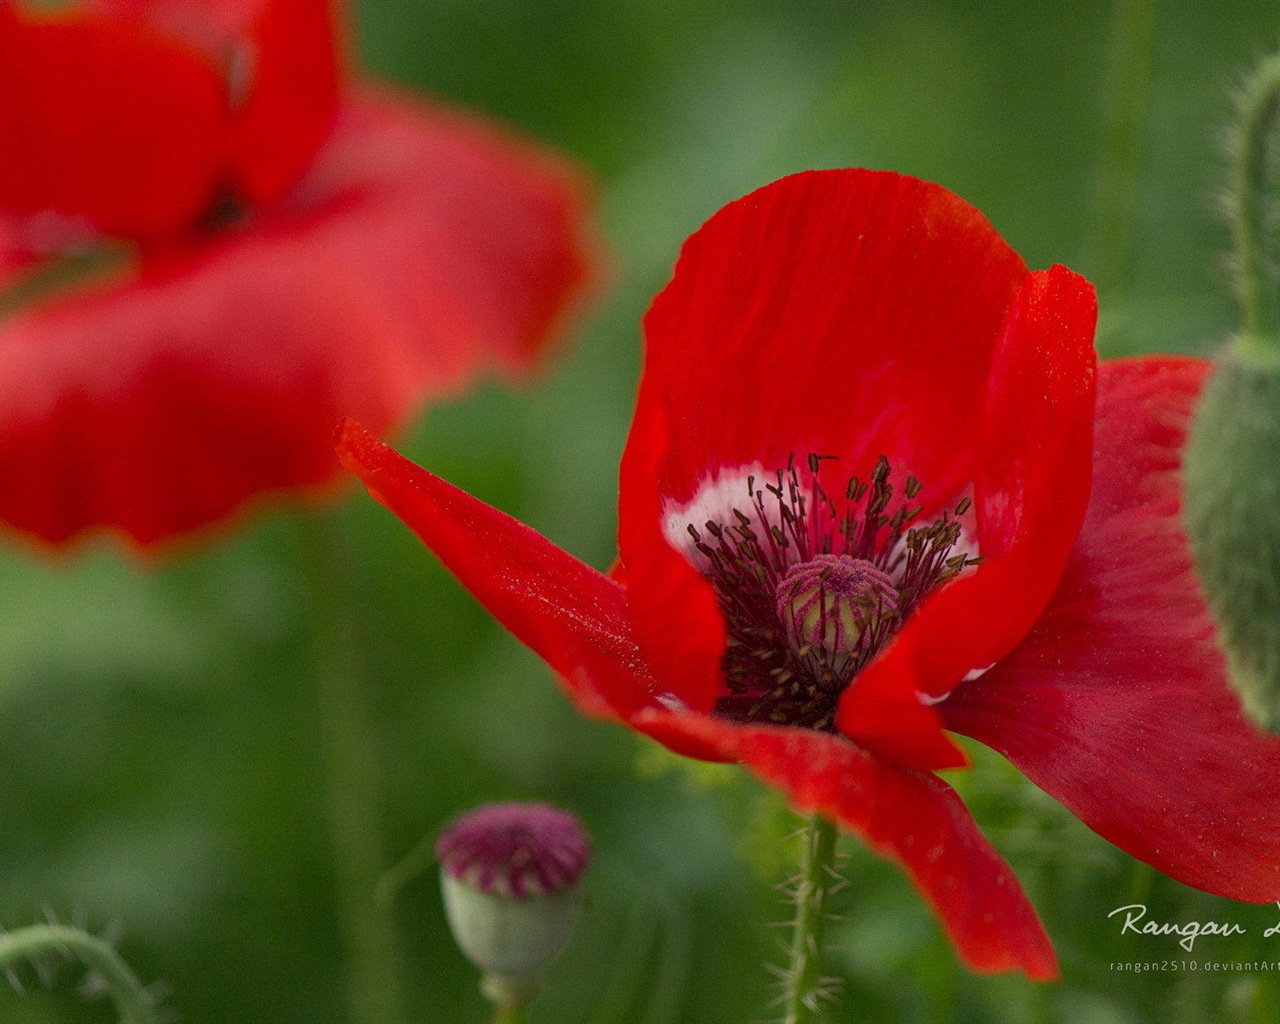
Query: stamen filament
pixel 796 642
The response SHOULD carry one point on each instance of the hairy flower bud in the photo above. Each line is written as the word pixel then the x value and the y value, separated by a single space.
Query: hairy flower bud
pixel 1233 500
pixel 1232 469
pixel 509 876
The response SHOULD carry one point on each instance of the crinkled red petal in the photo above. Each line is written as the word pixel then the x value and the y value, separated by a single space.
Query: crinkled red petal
pixel 1117 702
pixel 1031 488
pixel 109 120
pixel 850 313
pixel 479 238
pixel 911 817
pixel 162 402
pixel 572 616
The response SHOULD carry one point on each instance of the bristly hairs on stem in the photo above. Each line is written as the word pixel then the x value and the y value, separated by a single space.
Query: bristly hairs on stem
pixel 804 989
pixel 42 946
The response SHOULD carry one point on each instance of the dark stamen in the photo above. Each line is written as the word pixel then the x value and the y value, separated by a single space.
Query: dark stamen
pixel 780 666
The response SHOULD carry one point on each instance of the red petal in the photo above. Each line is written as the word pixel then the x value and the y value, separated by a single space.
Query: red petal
pixel 478 237
pixel 841 312
pixel 1031 489
pixel 849 313
pixel 158 404
pixel 280 60
pixel 572 616
pixel 109 120
pixel 291 104
pixel 161 404
pixel 15 255
pixel 1117 702
pixel 913 818
pixel 674 612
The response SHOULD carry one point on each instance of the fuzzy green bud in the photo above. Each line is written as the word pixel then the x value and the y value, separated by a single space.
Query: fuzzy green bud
pixel 1232 469
pixel 1233 515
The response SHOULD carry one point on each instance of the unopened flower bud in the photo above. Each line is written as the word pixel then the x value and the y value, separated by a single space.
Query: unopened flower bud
pixel 1232 471
pixel 509 875
pixel 1233 494
pixel 830 600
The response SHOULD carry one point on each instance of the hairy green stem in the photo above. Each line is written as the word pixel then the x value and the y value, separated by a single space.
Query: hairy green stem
pixel 352 756
pixel 1254 214
pixel 803 980
pixel 131 999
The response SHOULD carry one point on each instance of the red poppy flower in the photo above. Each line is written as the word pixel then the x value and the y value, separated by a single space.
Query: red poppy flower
pixel 877 489
pixel 268 248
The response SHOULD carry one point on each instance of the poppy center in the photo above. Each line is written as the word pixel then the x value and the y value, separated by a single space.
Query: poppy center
pixel 812 585
pixel 831 601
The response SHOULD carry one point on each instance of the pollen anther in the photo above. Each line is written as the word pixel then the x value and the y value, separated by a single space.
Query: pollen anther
pixel 812 585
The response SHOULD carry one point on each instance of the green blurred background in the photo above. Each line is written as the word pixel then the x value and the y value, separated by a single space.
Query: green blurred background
pixel 157 726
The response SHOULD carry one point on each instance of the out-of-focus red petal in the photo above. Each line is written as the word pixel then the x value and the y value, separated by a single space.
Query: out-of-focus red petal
pixel 290 101
pixel 281 64
pixel 159 403
pixel 107 119
pixel 574 617
pixel 1117 701
pixel 911 817
pixel 1031 488
pixel 849 313
pixel 15 255
pixel 477 237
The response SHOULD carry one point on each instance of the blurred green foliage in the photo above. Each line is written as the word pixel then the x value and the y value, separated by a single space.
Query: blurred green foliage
pixel 157 727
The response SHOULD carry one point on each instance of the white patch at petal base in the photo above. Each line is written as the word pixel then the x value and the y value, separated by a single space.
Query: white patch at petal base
pixel 717 498
pixel 928 699
pixel 671 702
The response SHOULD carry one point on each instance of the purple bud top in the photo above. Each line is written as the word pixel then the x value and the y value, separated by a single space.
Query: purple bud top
pixel 516 850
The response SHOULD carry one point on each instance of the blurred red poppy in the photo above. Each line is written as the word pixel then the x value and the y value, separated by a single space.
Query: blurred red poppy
pixel 876 489
pixel 212 248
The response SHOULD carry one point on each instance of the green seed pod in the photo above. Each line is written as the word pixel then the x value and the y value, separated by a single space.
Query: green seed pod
pixel 510 940
pixel 509 875
pixel 1233 515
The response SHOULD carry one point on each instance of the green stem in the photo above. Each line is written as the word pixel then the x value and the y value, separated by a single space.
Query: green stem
pixel 801 1000
pixel 1127 95
pixel 511 1015
pixel 1254 227
pixel 352 755
pixel 131 999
